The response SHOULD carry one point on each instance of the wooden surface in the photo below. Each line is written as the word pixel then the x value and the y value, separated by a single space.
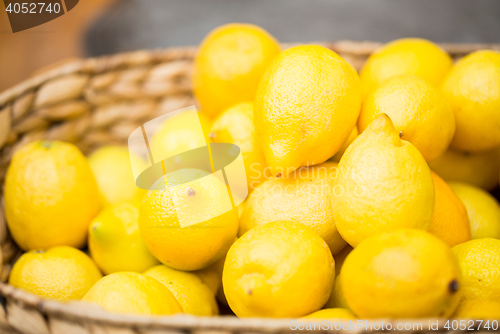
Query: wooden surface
pixel 25 52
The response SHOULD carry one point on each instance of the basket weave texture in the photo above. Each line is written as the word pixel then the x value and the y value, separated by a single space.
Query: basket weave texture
pixel 97 102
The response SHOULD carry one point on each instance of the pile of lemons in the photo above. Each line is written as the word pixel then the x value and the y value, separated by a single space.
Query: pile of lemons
pixel 368 194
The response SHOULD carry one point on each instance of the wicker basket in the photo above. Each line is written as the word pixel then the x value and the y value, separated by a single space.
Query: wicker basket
pixel 101 101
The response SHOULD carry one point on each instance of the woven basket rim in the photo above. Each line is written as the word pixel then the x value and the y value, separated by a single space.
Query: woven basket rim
pixel 107 62
pixel 83 311
pixel 94 65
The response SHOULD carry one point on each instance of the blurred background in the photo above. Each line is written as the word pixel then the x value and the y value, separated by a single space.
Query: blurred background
pixel 97 27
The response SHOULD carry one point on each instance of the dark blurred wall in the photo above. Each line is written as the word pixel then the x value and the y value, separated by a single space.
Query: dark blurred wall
pixel 142 24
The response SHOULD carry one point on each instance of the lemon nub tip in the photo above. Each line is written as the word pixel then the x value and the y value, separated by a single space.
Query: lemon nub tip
pixel 453 286
pixel 383 120
pixel 383 125
pixel 96 226
pixel 46 144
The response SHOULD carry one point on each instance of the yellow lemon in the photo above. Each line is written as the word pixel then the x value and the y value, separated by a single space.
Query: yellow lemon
pixel 418 109
pixel 407 273
pixel 195 246
pixel 478 309
pixel 220 295
pixel 479 262
pixel 303 196
pixel 235 125
pixel 115 242
pixel 482 208
pixel 50 196
pixel 210 278
pixel 337 299
pixel 405 56
pixel 241 207
pixel 212 275
pixel 193 295
pixel 134 293
pixel 112 169
pixel 383 184
pixel 331 313
pixel 269 272
pixel 229 64
pixel 472 87
pixel 63 273
pixel 479 169
pixel 450 222
pixel 177 135
pixel 340 258
pixel 306 107
pixel 354 134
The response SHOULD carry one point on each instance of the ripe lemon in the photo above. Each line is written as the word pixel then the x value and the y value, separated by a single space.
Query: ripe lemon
pixel 235 125
pixel 354 134
pixel 50 196
pixel 331 313
pixel 337 299
pixel 229 64
pixel 212 275
pixel 418 109
pixel 191 247
pixel 472 87
pixel 303 196
pixel 383 184
pixel 220 295
pixel 479 169
pixel 306 107
pixel 450 222
pixel 63 273
pixel 478 309
pixel 113 172
pixel 405 56
pixel 134 293
pixel 115 242
pixel 482 208
pixel 177 135
pixel 479 262
pixel 340 258
pixel 269 272
pixel 193 295
pixel 407 273
pixel 241 208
